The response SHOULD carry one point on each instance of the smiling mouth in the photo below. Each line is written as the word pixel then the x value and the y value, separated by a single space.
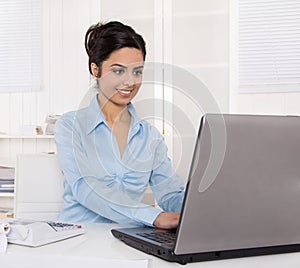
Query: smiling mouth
pixel 124 92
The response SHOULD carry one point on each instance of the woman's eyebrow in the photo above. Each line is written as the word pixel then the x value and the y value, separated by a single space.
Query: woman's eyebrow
pixel 119 65
pixel 138 67
pixel 123 66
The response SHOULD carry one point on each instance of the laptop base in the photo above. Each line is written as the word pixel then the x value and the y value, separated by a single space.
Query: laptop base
pixel 170 256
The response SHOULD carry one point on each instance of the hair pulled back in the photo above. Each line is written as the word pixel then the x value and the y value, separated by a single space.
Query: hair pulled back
pixel 103 39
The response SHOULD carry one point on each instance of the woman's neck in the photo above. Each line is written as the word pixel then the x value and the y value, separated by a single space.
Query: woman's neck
pixel 113 112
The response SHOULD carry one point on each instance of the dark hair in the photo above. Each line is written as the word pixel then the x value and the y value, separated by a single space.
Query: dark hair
pixel 103 39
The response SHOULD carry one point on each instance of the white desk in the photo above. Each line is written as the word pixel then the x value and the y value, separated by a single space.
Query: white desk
pixel 99 243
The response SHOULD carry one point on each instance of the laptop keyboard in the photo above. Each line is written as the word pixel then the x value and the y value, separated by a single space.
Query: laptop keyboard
pixel 160 237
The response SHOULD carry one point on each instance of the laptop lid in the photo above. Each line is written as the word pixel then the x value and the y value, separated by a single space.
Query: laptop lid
pixel 244 185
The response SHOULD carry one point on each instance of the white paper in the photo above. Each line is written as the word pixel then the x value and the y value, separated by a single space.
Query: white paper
pixel 10 260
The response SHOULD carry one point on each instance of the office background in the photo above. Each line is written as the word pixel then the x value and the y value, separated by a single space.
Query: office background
pixel 199 36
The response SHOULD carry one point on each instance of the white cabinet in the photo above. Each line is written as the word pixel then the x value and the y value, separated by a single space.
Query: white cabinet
pixel 11 146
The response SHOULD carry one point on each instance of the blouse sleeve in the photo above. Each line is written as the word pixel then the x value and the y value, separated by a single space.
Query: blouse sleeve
pixel 166 185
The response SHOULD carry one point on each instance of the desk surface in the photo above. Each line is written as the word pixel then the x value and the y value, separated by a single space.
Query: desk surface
pixel 98 242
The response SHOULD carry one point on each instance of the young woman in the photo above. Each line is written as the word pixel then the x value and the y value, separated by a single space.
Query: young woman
pixel 107 154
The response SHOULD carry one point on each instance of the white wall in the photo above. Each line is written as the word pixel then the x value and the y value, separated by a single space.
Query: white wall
pixel 200 38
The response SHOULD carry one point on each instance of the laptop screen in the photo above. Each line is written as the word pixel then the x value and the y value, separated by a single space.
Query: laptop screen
pixel 244 192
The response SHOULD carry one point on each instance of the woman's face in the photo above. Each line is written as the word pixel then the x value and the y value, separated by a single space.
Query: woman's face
pixel 121 75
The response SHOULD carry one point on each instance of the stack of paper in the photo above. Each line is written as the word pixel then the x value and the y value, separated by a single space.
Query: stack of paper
pixel 7 179
pixel 50 121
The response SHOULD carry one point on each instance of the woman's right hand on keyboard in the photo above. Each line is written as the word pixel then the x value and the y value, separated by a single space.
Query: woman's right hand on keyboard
pixel 167 220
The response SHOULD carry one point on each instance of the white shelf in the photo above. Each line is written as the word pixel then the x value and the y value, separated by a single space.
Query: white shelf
pixel 26 137
pixel 7 194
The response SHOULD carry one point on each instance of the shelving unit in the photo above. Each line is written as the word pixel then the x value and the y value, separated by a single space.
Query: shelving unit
pixel 13 144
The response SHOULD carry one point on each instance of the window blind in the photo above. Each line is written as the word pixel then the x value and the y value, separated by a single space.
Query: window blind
pixel 269 46
pixel 20 45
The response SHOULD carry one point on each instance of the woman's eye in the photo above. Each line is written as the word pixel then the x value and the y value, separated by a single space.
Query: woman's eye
pixel 138 72
pixel 118 71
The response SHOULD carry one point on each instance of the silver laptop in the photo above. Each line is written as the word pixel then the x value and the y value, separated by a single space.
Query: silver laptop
pixel 242 196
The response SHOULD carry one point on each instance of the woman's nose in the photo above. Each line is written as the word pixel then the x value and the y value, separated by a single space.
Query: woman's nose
pixel 128 80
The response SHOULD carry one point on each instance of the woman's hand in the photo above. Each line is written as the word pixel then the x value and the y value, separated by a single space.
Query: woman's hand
pixel 167 220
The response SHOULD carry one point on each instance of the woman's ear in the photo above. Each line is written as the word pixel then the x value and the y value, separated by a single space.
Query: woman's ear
pixel 95 69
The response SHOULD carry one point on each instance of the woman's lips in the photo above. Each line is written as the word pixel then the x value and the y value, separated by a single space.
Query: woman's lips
pixel 124 92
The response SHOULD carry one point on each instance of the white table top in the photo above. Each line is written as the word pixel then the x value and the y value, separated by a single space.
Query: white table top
pixel 98 243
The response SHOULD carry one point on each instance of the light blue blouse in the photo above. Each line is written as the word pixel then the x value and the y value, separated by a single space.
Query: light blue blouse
pixel 100 186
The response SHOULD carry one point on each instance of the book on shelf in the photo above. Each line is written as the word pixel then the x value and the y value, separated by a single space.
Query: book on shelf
pixel 7 190
pixel 7 179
